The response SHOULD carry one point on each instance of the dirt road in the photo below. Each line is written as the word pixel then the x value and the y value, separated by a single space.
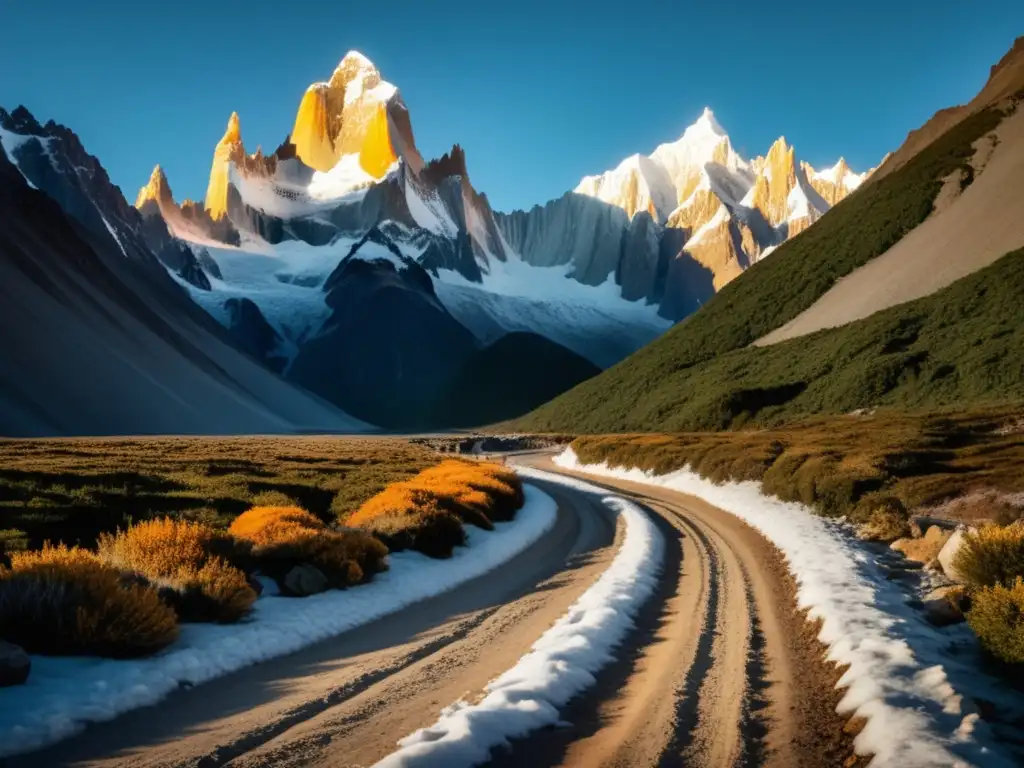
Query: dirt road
pixel 720 670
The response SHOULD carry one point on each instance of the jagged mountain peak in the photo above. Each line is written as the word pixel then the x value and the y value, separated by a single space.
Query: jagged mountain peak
pixel 156 189
pixel 233 134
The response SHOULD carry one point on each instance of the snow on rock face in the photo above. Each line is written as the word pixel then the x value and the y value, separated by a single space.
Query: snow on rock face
pixel 637 184
pixel 65 693
pixel 560 664
pixel 902 676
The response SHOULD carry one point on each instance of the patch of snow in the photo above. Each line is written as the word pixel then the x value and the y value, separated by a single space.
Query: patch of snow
pixel 637 172
pixel 62 694
pixel 113 234
pixel 429 213
pixel 346 177
pixel 803 201
pixel 561 664
pixel 849 180
pixel 899 667
pixel 10 141
pixel 371 251
pixel 593 321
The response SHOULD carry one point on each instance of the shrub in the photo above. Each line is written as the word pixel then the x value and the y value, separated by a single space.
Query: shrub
pixel 179 557
pixel 997 618
pixel 283 537
pixel 426 512
pixel 991 556
pixel 67 601
pixel 887 519
pixel 216 592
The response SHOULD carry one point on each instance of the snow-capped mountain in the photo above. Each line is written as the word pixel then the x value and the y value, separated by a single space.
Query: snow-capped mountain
pixel 733 211
pixel 600 271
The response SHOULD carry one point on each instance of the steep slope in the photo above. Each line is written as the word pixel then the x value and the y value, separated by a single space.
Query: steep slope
pixel 977 219
pixel 92 347
pixel 666 384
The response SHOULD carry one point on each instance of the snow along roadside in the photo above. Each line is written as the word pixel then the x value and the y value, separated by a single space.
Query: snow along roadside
pixel 897 676
pixel 62 694
pixel 560 664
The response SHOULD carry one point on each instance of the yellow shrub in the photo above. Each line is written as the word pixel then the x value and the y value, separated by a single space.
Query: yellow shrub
pixel 997 618
pixel 425 512
pixel 158 548
pixel 178 556
pixel 62 600
pixel 215 592
pixel 992 556
pixel 283 537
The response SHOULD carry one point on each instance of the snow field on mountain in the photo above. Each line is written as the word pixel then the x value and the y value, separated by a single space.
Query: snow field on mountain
pixel 63 694
pixel 900 669
pixel 561 664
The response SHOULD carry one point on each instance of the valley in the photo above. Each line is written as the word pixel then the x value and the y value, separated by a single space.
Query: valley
pixel 714 458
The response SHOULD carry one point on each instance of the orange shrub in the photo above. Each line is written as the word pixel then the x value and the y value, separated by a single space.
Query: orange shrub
pixel 426 512
pixel 62 600
pixel 283 537
pixel 178 557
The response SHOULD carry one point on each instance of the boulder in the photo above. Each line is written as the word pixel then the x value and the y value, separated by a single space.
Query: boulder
pixel 305 579
pixel 948 553
pixel 944 606
pixel 14 664
pixel 925 548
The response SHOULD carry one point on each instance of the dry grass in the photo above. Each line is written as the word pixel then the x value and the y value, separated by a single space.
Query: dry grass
pixel 72 490
pixel 62 600
pixel 180 558
pixel 426 512
pixel 283 537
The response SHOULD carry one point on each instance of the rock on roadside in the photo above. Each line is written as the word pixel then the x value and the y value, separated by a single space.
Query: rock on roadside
pixel 948 553
pixel 304 580
pixel 944 606
pixel 14 664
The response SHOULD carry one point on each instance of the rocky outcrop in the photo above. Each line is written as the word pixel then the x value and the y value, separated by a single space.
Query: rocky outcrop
pixel 190 221
pixel 228 148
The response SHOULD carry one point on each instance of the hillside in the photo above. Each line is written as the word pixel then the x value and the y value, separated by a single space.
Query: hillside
pixel 513 375
pixel 699 375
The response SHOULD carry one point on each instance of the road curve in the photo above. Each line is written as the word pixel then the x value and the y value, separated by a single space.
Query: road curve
pixel 720 670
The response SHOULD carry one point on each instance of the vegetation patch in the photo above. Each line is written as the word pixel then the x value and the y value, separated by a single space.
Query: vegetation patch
pixel 186 561
pixel 426 513
pixel 62 600
pixel 997 618
pixel 282 538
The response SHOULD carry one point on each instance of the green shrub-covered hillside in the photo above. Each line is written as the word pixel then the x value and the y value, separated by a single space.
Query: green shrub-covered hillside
pixel 961 346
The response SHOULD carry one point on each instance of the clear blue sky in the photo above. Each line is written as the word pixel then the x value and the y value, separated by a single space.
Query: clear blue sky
pixel 538 93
